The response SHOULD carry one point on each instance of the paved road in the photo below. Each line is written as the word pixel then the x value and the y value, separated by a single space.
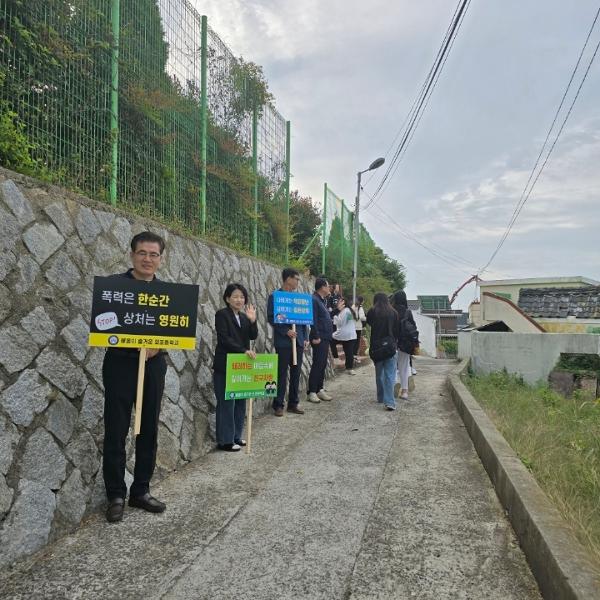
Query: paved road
pixel 347 501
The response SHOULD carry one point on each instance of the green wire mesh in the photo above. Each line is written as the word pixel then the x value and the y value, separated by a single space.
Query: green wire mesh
pixel 55 77
pixel 55 87
pixel 338 233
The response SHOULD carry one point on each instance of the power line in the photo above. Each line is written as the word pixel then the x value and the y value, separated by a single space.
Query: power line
pixel 416 100
pixel 531 181
pixel 447 258
pixel 423 97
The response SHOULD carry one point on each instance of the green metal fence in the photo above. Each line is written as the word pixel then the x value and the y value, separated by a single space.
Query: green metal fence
pixel 140 102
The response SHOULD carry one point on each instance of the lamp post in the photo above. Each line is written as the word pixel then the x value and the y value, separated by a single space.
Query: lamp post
pixel 374 165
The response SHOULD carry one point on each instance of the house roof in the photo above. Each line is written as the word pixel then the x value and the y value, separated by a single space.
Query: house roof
pixel 582 303
pixel 540 280
pixel 414 304
pixel 434 302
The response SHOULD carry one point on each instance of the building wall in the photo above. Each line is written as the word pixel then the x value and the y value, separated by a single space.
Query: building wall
pixel 495 309
pixel 426 327
pixel 570 325
pixel 51 394
pixel 529 355
pixel 475 314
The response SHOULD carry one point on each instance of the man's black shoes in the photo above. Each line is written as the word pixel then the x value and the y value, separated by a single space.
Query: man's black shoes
pixel 147 502
pixel 114 512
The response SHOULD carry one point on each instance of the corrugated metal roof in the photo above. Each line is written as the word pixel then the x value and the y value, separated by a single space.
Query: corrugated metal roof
pixel 581 302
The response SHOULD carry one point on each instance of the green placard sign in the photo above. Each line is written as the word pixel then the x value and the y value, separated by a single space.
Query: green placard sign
pixel 247 378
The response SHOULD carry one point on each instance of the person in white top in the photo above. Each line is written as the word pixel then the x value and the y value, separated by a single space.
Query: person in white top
pixel 346 333
pixel 359 323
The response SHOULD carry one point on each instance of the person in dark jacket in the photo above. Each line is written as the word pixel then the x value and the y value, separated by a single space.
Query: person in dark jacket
pixel 320 338
pixel 283 338
pixel 119 376
pixel 406 344
pixel 384 323
pixel 335 294
pixel 234 329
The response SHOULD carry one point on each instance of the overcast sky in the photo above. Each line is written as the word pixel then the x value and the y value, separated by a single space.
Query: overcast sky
pixel 346 72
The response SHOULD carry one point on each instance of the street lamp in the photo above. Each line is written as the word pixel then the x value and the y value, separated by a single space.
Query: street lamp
pixel 374 165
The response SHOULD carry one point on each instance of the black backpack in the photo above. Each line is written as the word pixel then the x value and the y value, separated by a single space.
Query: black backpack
pixel 409 334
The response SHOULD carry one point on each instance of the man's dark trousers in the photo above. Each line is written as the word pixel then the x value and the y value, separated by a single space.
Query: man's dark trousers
pixel 320 354
pixel 285 360
pixel 119 374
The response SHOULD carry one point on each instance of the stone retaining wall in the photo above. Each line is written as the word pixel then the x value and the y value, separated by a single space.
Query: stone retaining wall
pixel 51 400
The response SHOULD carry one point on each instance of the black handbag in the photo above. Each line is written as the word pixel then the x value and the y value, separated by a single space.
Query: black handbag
pixel 383 348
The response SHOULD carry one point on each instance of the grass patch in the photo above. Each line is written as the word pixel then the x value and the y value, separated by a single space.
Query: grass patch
pixel 557 439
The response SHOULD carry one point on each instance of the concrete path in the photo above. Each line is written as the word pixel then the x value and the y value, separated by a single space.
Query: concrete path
pixel 347 501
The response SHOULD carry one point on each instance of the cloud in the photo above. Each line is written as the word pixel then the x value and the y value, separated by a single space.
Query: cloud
pixel 565 197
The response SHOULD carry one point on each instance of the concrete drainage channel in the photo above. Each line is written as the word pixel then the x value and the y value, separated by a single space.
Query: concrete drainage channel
pixel 557 559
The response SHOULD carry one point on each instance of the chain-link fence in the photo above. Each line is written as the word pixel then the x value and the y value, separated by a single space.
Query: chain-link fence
pixel 122 100
pixel 338 235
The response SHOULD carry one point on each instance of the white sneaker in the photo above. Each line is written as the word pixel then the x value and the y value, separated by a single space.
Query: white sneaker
pixel 324 396
pixel 312 397
pixel 351 372
pixel 397 388
pixel 413 371
pixel 404 396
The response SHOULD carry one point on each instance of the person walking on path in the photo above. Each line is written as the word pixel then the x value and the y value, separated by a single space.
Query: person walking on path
pixel 384 323
pixel 408 340
pixel 346 333
pixel 119 376
pixel 320 340
pixel 359 323
pixel 234 330
pixel 283 338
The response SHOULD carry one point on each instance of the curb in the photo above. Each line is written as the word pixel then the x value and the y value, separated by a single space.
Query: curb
pixel 556 558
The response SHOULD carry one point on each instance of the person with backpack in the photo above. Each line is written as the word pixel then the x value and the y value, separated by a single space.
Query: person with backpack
pixel 408 341
pixel 384 323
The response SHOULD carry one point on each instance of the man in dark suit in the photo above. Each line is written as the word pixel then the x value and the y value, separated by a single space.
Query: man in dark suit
pixel 119 375
pixel 283 338
pixel 321 334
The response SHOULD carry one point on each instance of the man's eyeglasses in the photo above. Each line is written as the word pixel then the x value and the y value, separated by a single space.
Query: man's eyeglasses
pixel 144 254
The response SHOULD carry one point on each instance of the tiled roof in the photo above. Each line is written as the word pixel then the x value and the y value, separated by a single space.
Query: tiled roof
pixel 582 302
pixel 414 304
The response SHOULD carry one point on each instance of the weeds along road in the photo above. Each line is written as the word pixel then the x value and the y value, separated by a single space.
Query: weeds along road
pixel 346 501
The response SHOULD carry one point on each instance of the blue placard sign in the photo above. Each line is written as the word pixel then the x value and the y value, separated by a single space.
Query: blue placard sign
pixel 292 308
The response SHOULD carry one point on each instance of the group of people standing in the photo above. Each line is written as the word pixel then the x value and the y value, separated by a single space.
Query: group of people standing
pixel 236 327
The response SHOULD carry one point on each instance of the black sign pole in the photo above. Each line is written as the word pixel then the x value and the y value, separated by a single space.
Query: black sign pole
pixel 139 398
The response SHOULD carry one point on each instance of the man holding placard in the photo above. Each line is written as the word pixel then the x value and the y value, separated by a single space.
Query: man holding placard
pixel 288 313
pixel 321 334
pixel 120 375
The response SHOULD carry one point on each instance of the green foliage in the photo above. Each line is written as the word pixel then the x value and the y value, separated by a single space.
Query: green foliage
pixel 449 346
pixel 581 364
pixel 558 439
pixel 15 148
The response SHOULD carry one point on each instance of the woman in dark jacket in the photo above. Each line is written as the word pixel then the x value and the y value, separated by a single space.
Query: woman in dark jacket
pixel 235 329
pixel 384 323
pixel 407 342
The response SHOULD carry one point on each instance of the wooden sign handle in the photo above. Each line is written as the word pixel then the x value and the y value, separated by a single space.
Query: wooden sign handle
pixel 249 404
pixel 139 397
pixel 294 351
